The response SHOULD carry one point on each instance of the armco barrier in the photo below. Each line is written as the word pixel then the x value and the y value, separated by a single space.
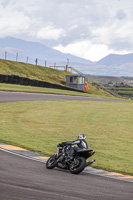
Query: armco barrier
pixel 13 79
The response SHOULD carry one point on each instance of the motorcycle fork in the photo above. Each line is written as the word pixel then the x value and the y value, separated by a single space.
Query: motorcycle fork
pixel 76 162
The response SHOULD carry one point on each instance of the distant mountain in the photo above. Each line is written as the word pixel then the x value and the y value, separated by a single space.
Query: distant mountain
pixel 111 65
pixel 36 50
pixel 115 59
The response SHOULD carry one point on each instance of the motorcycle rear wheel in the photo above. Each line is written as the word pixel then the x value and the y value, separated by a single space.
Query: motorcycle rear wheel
pixel 51 162
pixel 78 166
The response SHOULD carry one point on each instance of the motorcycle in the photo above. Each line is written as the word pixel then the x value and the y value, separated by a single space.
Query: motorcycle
pixel 71 159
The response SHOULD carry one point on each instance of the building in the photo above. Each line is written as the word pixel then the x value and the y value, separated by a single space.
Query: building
pixel 77 82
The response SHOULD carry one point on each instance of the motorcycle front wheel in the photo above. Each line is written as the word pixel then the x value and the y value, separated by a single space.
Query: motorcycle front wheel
pixel 51 162
pixel 78 165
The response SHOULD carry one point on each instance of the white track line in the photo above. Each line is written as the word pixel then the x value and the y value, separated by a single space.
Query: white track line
pixel 22 155
pixel 86 171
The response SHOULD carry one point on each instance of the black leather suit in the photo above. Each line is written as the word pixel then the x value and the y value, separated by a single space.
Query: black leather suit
pixel 81 144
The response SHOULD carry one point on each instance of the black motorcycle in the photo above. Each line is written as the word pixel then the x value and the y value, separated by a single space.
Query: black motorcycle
pixel 70 158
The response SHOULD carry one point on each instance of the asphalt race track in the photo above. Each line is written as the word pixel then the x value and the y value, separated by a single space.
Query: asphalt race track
pixel 21 96
pixel 24 179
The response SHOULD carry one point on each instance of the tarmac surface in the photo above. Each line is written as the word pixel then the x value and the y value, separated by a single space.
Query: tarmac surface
pixel 25 179
pixel 23 96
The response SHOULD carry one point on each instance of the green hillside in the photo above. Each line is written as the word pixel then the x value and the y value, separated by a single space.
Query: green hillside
pixel 42 73
pixel 32 71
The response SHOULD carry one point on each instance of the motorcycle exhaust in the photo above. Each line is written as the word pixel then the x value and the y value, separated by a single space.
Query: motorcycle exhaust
pixel 90 162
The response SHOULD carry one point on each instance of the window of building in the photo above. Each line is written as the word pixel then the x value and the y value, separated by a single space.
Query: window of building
pixel 71 79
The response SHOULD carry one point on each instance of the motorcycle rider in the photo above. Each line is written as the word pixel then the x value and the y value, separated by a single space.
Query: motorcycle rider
pixel 80 142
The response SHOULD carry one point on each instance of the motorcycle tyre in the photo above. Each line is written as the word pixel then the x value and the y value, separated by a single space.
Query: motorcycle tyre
pixel 53 164
pixel 80 168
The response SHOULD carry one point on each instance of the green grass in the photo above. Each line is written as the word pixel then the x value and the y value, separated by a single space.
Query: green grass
pixel 21 88
pixel 32 71
pixel 43 74
pixel 125 92
pixel 40 126
pixel 121 88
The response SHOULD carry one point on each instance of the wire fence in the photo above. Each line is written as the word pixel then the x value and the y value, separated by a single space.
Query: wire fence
pixel 19 58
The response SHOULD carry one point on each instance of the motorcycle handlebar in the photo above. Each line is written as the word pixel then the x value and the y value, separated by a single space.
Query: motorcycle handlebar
pixel 63 144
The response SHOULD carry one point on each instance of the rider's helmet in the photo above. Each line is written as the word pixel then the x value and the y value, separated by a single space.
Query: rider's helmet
pixel 81 136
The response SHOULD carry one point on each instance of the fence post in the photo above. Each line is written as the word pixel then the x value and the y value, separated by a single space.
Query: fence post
pixel 16 57
pixel 5 55
pixel 36 61
pixel 27 59
pixel 45 63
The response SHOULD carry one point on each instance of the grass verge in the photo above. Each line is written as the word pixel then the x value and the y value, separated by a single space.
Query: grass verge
pixel 39 126
pixel 21 88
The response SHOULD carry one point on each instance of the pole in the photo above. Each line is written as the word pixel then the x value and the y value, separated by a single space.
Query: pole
pixel 5 55
pixel 36 61
pixel 27 59
pixel 45 63
pixel 67 64
pixel 67 61
pixel 16 57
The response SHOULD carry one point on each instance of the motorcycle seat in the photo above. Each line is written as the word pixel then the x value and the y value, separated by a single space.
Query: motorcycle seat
pixel 84 150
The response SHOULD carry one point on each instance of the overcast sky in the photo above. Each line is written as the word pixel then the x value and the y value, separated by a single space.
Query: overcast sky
pixel 89 29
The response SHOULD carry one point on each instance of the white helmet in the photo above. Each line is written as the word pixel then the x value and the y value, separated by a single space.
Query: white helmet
pixel 81 136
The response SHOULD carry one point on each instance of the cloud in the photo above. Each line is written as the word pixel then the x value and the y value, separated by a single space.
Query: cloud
pixel 12 21
pixel 50 33
pixel 121 15
pixel 85 49
pixel 87 28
